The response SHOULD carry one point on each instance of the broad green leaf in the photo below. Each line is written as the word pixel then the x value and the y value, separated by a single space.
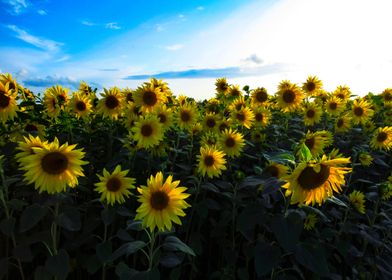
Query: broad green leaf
pixel 31 216
pixel 173 243
pixel 128 249
pixel 267 256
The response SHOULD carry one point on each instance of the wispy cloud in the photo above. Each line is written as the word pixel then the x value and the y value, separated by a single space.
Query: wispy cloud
pixel 159 27
pixel 49 81
pixel 63 58
pixel 112 25
pixel 88 23
pixel 229 72
pixel 174 47
pixel 109 69
pixel 200 8
pixel 42 43
pixel 253 58
pixel 16 6
pixel 42 12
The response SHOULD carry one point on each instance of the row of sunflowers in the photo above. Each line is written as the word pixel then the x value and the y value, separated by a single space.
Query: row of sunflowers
pixel 303 176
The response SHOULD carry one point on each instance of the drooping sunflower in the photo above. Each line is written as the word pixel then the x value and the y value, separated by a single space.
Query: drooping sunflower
pixel 55 100
pixel 382 139
pixel 212 106
pixel 262 116
pixel 148 131
pixel 148 97
pixel 211 161
pixel 257 135
pixel 111 103
pixel 343 93
pixel 128 94
pixel 231 142
pixel 317 141
pixel 343 123
pixel 210 122
pixel 334 106
pixel 387 96
pixel 289 96
pixel 259 97
pixel 26 146
pixel 8 105
pixel 209 138
pixel 85 89
pixel 224 124
pixel 162 86
pixel 312 86
pixel 53 167
pixel 276 170
pixel 162 203
pixel 80 105
pixel 357 200
pixel 222 86
pixel 244 117
pixel 365 159
pixel 165 116
pixel 361 111
pixel 310 221
pixel 7 78
pixel 197 128
pixel 314 181
pixel 233 92
pixel 186 116
pixel 114 187
pixel 312 114
pixel 237 104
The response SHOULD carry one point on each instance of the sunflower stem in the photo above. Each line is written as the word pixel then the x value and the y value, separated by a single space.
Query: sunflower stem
pixel 54 229
pixel 151 250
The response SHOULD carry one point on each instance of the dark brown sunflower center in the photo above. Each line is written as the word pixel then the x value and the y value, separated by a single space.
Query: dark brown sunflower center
pixel 150 98
pixel 310 113
pixel 159 200
pixel 129 96
pixel 388 97
pixel 240 117
pixel 340 96
pixel 210 122
pixel 382 136
pixel 238 106
pixel 31 127
pixel 310 86
pixel 12 86
pixel 54 163
pixel 209 160
pixel 309 143
pixel 333 105
pixel 358 111
pixel 61 98
pixel 288 96
pixel 259 117
pixel 273 171
pixel 261 96
pixel 111 102
pixel 223 126
pixel 340 123
pixel 4 100
pixel 310 179
pixel 221 87
pixel 113 184
pixel 162 118
pixel 81 106
pixel 185 116
pixel 230 142
pixel 235 93
pixel 146 130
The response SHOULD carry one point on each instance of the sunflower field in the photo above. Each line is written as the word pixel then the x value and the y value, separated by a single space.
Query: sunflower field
pixel 142 184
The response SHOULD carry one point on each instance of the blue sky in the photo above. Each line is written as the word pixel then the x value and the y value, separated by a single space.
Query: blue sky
pixel 191 43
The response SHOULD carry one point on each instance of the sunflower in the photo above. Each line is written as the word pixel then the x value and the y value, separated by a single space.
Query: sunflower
pixel 386 189
pixel 27 95
pixel 209 138
pixel 232 142
pixel 257 135
pixel 310 221
pixel 317 141
pixel 33 128
pixel 357 200
pixel 114 187
pixel 237 104
pixel 365 159
pixel 213 106
pixel 182 100
pixel 312 114
pixel 162 203
pixel 111 104
pixel 259 97
pixel 80 105
pixel 387 96
pixel 382 139
pixel 233 92
pixel 162 86
pixel 52 167
pixel 12 84
pixel 343 123
pixel 262 116
pixel 148 97
pixel 196 128
pixel 343 93
pixel 8 105
pixel 210 122
pixel 85 89
pixel 244 117
pixel 186 116
pixel 26 146
pixel 289 96
pixel 361 111
pixel 224 124
pixel 211 161
pixel 165 116
pixel 314 181
pixel 312 86
pixel 334 106
pixel 276 170
pixel 128 94
pixel 222 86
pixel 147 131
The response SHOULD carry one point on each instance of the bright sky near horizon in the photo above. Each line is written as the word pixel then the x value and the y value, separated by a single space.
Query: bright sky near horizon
pixel 191 43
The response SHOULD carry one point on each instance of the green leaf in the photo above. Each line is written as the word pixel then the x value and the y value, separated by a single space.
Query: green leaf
pixel 7 226
pixel 124 272
pixel 267 257
pixel 58 265
pixel 175 244
pixel 337 201
pixel 104 251
pixel 313 258
pixel 305 153
pixel 107 215
pixel 70 219
pixel 135 225
pixel 31 216
pixel 287 230
pixel 128 249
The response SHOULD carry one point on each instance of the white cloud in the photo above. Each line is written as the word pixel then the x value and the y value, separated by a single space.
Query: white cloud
pixel 174 47
pixel 17 6
pixel 159 27
pixel 63 58
pixel 112 25
pixel 200 8
pixel 181 16
pixel 42 43
pixel 42 12
pixel 88 23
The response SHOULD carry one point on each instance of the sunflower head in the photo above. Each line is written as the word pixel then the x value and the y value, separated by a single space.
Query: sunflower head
pixel 289 96
pixel 357 200
pixel 382 138
pixel 186 116
pixel 244 117
pixel 365 159
pixel 343 93
pixel 317 141
pixel 343 123
pixel 259 96
pixel 222 86
pixel 312 85
pixel 148 97
pixel 80 105
pixel 8 105
pixel 111 104
pixel 276 170
pixel 211 161
pixel 310 221
pixel 231 142
pixel 361 111
pixel 148 131
pixel 312 114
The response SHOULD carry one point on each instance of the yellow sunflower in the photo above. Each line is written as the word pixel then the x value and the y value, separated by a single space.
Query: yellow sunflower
pixel 314 181
pixel 148 97
pixel 276 170
pixel 310 221
pixel 257 135
pixel 262 116
pixel 128 94
pixel 289 96
pixel 387 96
pixel 211 161
pixel 365 159
pixel 114 187
pixel 312 114
pixel 343 93
pixel 357 200
pixel 147 131
pixel 12 84
pixel 26 146
pixel 361 111
pixel 237 104
pixel 222 86
pixel 312 86
pixel 213 106
pixel 210 121
pixel 224 124
pixel 111 104
pixel 162 203
pixel 8 105
pixel 197 128
pixel 317 141
pixel 162 86
pixel 334 106
pixel 233 92
pixel 209 138
pixel 259 97
pixel 80 105
pixel 343 123
pixel 52 167
pixel 33 128
pixel 244 117
pixel 186 116
pixel 165 116
pixel 232 142
pixel 382 139
pixel 86 90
